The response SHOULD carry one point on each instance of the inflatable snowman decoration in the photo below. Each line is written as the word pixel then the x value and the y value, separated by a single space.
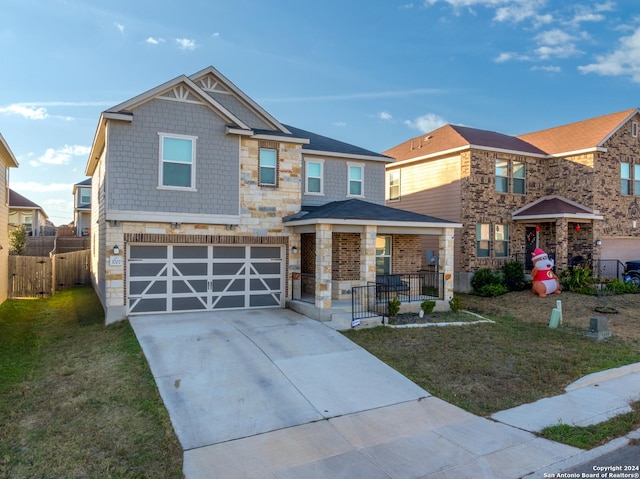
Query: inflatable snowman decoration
pixel 544 279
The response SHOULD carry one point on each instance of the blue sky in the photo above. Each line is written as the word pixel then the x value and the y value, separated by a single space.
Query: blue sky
pixel 369 72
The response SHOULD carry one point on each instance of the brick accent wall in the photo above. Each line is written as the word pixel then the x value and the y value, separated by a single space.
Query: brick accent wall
pixel 346 256
pixel 406 253
pixel 307 253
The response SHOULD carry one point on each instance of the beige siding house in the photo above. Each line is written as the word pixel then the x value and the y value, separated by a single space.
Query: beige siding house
pixel 7 160
pixel 571 190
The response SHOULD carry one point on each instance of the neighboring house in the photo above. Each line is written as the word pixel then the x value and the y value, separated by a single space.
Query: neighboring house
pixel 82 207
pixel 201 200
pixel 23 211
pixel 571 190
pixel 7 160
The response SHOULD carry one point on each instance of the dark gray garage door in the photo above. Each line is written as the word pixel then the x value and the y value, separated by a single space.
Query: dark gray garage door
pixel 170 278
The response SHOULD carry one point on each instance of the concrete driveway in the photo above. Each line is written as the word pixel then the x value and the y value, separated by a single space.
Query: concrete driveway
pixel 235 374
pixel 273 394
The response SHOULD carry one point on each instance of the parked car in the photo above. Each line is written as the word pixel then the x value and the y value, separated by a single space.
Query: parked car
pixel 632 271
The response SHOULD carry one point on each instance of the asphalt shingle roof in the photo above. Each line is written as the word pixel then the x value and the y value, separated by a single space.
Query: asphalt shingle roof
pixel 553 206
pixel 449 137
pixel 16 200
pixel 324 143
pixel 354 209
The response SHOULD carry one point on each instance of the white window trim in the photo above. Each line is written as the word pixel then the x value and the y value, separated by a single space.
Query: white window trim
pixel 193 162
pixel 634 129
pixel 306 177
pixel 361 166
pixel 399 173
pixel 275 168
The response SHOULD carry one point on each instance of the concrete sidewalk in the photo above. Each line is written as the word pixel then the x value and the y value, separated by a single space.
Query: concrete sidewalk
pixel 273 394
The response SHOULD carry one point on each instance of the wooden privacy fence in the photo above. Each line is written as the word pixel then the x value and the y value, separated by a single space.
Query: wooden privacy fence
pixel 37 276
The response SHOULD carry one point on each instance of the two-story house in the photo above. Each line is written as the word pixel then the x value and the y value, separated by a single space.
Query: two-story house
pixel 24 212
pixel 7 160
pixel 571 190
pixel 82 207
pixel 201 200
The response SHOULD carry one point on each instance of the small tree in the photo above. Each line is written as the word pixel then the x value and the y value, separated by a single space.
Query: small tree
pixel 18 239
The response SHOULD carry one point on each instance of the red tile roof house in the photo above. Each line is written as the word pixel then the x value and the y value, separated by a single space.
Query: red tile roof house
pixel 7 160
pixel 571 190
pixel 203 201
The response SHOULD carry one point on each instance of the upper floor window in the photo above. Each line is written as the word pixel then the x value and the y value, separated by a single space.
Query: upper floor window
pixel 394 185
pixel 634 129
pixel 492 242
pixel 356 180
pixel 177 161
pixel 625 178
pixel 85 196
pixel 313 177
pixel 510 173
pixel 268 166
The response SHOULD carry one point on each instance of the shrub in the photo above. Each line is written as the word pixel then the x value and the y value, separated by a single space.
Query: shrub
pixel 492 290
pixel 578 279
pixel 427 306
pixel 485 277
pixel 617 286
pixel 514 276
pixel 18 239
pixel 394 307
pixel 455 304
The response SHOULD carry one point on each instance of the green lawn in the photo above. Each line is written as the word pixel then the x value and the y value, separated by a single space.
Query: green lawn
pixel 485 368
pixel 77 398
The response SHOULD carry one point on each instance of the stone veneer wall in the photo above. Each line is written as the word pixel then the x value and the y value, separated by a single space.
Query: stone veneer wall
pixel 482 204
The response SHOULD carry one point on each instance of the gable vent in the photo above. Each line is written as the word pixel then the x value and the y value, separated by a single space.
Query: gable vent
pixel 634 129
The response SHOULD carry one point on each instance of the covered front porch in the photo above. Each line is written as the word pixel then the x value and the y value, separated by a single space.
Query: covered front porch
pixel 353 244
pixel 564 229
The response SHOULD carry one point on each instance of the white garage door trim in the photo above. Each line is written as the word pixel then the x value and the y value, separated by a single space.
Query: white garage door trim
pixel 180 277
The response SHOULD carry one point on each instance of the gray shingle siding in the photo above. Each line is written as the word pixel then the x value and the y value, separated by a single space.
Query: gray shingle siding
pixel 133 163
pixel 232 104
pixel 335 182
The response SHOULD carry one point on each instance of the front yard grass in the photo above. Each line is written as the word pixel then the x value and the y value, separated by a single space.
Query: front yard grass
pixel 77 399
pixel 485 368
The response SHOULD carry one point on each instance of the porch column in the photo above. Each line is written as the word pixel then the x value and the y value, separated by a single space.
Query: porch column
pixel 562 243
pixel 368 254
pixel 323 265
pixel 446 261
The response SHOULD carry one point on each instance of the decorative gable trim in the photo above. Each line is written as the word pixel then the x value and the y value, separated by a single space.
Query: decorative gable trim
pixel 182 94
pixel 210 83
pixel 221 82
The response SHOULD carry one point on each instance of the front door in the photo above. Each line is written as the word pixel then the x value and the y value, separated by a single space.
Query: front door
pixel 531 243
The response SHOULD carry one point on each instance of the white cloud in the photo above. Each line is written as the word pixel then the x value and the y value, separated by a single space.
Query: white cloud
pixel 623 61
pixel 426 123
pixel 186 43
pixel 341 124
pixel 384 115
pixel 119 26
pixel 505 10
pixel 547 68
pixel 215 34
pixel 62 156
pixel 154 41
pixel 508 56
pixel 41 187
pixel 556 43
pixel 26 111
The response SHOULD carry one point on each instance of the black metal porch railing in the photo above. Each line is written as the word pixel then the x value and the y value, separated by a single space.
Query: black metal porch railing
pixel 410 287
pixel 365 304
